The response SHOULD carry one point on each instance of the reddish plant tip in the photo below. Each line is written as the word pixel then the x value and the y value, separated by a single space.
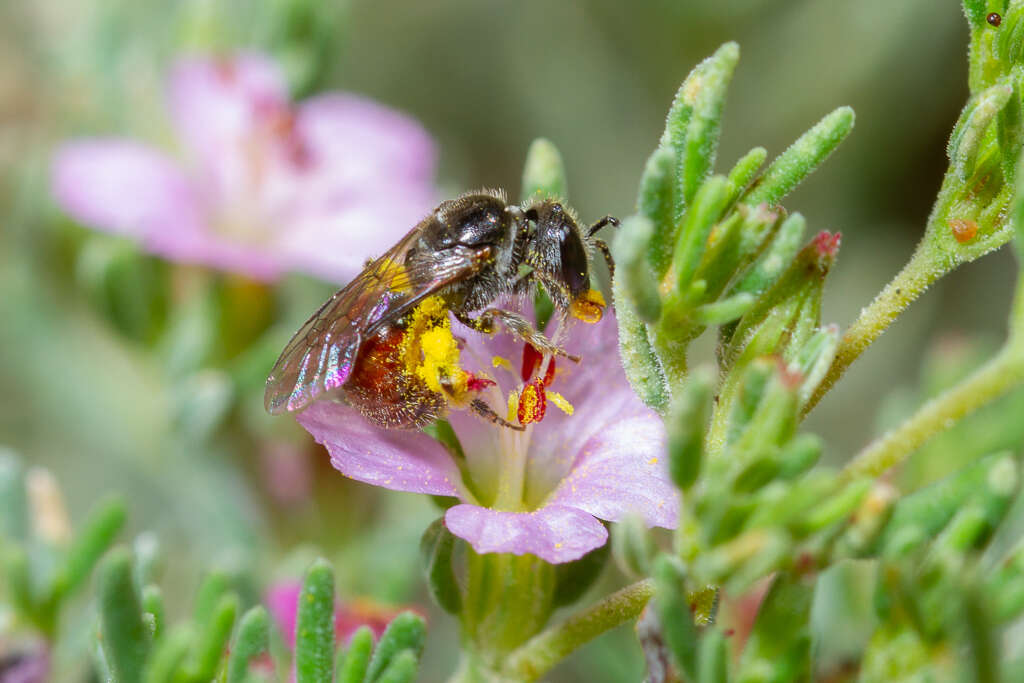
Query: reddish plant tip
pixel 964 230
pixel 994 19
pixel 827 243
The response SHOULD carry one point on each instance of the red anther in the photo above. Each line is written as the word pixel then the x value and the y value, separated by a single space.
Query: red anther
pixel 532 403
pixel 475 383
pixel 532 359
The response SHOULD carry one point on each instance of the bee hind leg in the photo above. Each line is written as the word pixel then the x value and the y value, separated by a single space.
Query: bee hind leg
pixel 480 407
pixel 518 326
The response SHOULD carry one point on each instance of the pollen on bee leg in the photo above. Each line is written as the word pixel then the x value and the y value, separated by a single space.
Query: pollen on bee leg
pixel 589 307
pixel 562 402
pixel 532 403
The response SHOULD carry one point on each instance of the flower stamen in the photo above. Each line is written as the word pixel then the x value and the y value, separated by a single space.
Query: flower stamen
pixel 532 403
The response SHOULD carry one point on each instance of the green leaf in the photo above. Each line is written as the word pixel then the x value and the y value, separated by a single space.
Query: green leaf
pixel 96 535
pixel 168 660
pixel 976 11
pixel 214 585
pixel 744 170
pixel 970 131
pixel 632 546
pixel 436 547
pixel 713 659
pixel 779 647
pixel 125 636
pixel 153 604
pixel 673 605
pixel 776 258
pixel 633 269
pixel 704 126
pixel 801 158
pixel 642 366
pixel 406 632
pixel 252 641
pixel 314 630
pixel 655 204
pixel 352 665
pixel 544 172
pixel 708 204
pixel 213 642
pixel 725 310
pixel 686 424
pixel 402 668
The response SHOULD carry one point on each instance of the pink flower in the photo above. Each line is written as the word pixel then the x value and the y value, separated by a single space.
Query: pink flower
pixel 539 491
pixel 264 186
pixel 283 601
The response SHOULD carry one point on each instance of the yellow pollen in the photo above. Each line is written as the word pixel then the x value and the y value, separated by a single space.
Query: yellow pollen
pixel 499 362
pixel 513 406
pixel 589 307
pixel 430 350
pixel 652 461
pixel 562 403
pixel 530 406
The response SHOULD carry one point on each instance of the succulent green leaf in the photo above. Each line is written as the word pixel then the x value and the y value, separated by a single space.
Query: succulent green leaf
pixel 402 668
pixel 17 573
pixel 725 310
pixel 708 205
pixel 406 632
pixel 744 170
pixel 167 663
pixel 90 543
pixel 213 586
pixel 970 131
pixel 353 662
pixel 544 172
pixel 655 204
pixel 314 629
pixel 673 605
pixel 801 158
pixel 835 508
pixel 252 641
pixel 641 363
pixel 799 455
pixel 436 548
pixel 125 636
pixel 153 604
pixel 779 647
pixel 213 641
pixel 976 11
pixel 632 546
pixel 713 658
pixel 686 423
pixel 776 258
pixel 632 267
pixel 148 558
pixel 704 126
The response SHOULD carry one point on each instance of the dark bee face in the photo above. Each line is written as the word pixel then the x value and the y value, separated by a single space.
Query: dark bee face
pixel 557 251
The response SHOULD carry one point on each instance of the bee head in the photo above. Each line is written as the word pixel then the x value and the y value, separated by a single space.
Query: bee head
pixel 558 251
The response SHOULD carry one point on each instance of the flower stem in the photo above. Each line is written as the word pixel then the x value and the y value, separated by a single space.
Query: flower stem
pixel 874 319
pixel 987 383
pixel 546 649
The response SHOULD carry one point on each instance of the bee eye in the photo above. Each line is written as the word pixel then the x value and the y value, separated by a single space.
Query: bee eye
pixel 574 262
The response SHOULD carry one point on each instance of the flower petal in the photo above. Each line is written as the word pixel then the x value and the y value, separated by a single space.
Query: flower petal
pixel 359 141
pixel 217 102
pixel 554 533
pixel 391 458
pixel 622 469
pixel 123 187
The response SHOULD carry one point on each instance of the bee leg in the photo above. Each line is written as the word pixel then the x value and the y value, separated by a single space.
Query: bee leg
pixel 518 326
pixel 607 220
pixel 602 246
pixel 480 407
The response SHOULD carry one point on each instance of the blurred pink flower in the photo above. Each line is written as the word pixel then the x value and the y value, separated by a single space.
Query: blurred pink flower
pixel 283 600
pixel 539 491
pixel 265 186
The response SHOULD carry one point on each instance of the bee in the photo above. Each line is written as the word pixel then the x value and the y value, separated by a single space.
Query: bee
pixel 379 343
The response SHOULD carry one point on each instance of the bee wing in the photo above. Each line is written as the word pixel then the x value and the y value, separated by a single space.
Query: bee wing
pixel 321 355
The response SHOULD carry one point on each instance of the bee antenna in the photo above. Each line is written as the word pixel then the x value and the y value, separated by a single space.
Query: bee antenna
pixel 607 220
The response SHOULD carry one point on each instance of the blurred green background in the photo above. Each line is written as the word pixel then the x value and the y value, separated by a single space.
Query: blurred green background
pixel 105 410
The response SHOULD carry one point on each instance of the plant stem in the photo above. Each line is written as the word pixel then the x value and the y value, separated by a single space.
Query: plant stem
pixel 874 319
pixel 987 383
pixel 548 648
